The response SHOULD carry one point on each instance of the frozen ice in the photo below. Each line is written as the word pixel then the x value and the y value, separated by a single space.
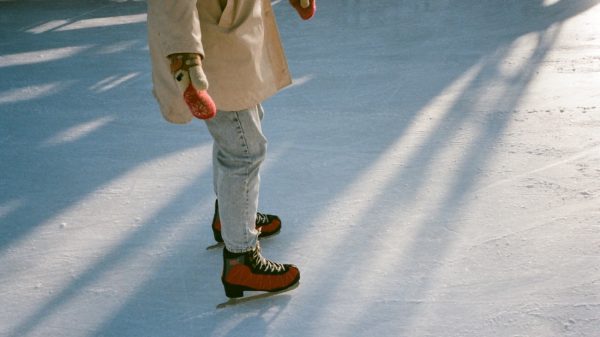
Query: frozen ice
pixel 436 165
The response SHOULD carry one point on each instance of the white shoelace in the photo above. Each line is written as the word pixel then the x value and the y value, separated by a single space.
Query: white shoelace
pixel 265 265
pixel 261 219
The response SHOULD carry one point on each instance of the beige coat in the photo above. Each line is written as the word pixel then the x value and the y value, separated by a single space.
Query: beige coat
pixel 239 40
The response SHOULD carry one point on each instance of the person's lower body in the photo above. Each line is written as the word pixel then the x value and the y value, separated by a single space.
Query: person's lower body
pixel 239 150
pixel 266 224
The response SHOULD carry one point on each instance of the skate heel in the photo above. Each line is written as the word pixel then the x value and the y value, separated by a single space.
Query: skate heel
pixel 233 291
pixel 217 235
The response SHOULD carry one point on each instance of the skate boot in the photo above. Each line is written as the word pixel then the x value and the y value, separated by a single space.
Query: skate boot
pixel 250 271
pixel 266 224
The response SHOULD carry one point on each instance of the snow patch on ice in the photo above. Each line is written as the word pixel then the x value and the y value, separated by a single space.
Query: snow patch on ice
pixel 105 22
pixel 48 26
pixel 112 82
pixel 29 93
pixel 548 3
pixel 300 81
pixel 77 132
pixel 39 56
pixel 118 47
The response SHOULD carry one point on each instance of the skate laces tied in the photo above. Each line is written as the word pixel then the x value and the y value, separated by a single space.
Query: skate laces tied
pixel 262 219
pixel 264 265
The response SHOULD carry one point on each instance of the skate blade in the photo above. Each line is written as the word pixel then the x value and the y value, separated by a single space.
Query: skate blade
pixel 241 300
pixel 215 246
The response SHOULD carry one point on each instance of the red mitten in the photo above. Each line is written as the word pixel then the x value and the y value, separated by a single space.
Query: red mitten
pixel 187 70
pixel 200 103
pixel 306 8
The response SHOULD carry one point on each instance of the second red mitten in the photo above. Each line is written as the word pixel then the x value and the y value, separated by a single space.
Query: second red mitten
pixel 306 8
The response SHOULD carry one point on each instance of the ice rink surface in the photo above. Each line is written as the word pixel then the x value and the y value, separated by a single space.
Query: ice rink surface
pixel 436 165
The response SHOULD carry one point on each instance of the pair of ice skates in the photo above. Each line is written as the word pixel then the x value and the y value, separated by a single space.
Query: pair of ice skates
pixel 250 271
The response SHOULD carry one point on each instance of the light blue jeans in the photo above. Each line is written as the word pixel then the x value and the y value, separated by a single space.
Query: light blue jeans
pixel 239 149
